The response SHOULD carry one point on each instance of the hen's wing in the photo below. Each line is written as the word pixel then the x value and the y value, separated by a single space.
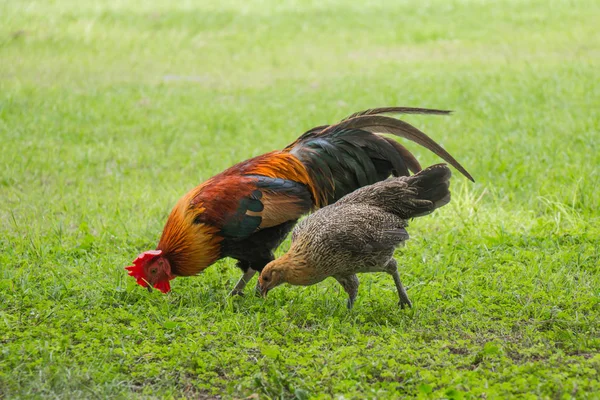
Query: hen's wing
pixel 351 227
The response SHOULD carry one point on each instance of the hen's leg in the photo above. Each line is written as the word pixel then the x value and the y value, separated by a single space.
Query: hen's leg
pixel 392 269
pixel 350 285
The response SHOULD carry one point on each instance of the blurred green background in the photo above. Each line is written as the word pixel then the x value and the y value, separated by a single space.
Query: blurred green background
pixel 111 110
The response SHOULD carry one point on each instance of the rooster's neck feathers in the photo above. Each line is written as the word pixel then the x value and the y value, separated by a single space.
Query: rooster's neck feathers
pixel 192 237
pixel 190 247
pixel 278 164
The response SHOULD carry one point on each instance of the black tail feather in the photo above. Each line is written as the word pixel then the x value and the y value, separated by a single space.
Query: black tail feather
pixel 381 124
pixel 343 157
pixel 397 110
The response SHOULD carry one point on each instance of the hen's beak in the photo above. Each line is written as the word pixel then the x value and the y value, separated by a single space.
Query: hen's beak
pixel 264 290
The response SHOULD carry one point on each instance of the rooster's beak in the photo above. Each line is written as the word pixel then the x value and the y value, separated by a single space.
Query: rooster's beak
pixel 148 285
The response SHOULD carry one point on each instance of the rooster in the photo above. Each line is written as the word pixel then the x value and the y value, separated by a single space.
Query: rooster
pixel 359 233
pixel 246 211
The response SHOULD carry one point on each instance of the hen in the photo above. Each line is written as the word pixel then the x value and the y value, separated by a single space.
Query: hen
pixel 359 233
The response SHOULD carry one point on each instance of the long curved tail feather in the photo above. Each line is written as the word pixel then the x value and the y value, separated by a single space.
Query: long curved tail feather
pixel 352 153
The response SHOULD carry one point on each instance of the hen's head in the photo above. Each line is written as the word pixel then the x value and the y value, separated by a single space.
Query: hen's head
pixel 292 267
pixel 276 272
pixel 270 277
pixel 152 269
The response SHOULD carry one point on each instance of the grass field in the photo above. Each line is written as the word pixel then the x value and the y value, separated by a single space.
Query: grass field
pixel 111 110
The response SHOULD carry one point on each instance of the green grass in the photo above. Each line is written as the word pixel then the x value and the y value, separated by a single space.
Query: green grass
pixel 109 111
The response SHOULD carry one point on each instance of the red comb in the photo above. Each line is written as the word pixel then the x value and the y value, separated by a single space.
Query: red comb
pixel 137 269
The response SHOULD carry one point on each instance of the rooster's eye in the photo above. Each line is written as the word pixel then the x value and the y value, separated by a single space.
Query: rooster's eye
pixel 153 270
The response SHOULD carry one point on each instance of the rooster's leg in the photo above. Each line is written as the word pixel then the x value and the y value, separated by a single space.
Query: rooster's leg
pixel 257 291
pixel 392 269
pixel 350 285
pixel 238 290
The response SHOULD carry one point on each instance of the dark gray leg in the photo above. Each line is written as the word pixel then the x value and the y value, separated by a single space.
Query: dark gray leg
pixel 251 268
pixel 238 290
pixel 392 269
pixel 257 291
pixel 350 285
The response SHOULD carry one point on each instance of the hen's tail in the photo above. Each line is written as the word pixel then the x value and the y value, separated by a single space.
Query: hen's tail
pixel 343 157
pixel 407 197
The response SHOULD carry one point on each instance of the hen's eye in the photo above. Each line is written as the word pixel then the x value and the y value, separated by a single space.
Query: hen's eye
pixel 266 279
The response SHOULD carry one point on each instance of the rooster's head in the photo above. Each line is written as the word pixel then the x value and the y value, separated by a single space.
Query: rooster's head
pixel 152 269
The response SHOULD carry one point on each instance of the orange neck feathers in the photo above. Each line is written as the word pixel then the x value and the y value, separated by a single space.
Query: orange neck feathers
pixel 280 164
pixel 190 247
pixel 191 239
